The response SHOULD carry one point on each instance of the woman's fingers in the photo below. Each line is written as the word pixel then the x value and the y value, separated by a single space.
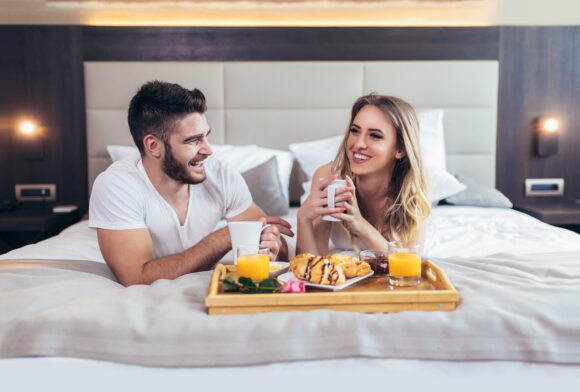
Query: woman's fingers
pixel 323 182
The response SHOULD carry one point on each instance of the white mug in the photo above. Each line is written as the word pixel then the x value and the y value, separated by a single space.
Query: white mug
pixel 337 183
pixel 245 232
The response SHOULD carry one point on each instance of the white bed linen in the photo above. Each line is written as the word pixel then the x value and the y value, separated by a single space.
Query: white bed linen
pixel 349 374
pixel 453 231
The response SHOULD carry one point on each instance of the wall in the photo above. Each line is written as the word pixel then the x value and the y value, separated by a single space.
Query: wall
pixel 41 76
pixel 539 75
pixel 292 12
pixel 538 12
pixel 42 73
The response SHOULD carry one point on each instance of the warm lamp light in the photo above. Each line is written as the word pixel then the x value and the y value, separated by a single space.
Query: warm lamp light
pixel 550 125
pixel 31 145
pixel 546 135
pixel 27 128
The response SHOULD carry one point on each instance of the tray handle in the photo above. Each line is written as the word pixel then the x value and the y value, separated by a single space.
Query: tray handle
pixel 434 274
pixel 218 275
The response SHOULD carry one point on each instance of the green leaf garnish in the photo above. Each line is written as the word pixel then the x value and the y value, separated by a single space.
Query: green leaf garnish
pixel 247 286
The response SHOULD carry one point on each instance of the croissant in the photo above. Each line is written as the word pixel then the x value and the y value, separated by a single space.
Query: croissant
pixel 351 266
pixel 316 269
pixel 333 269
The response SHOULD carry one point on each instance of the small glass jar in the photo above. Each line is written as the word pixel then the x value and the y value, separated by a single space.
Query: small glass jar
pixel 378 260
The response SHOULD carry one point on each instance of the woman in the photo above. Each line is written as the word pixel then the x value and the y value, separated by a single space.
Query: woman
pixel 386 197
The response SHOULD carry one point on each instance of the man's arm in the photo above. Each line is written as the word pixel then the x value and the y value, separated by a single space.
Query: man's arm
pixel 271 235
pixel 129 254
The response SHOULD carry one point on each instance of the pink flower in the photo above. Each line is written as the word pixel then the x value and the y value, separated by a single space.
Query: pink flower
pixel 293 286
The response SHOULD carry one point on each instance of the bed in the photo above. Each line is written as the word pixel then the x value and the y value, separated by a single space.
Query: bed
pixel 64 318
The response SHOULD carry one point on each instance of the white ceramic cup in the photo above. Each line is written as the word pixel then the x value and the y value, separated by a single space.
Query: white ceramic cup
pixel 338 183
pixel 245 232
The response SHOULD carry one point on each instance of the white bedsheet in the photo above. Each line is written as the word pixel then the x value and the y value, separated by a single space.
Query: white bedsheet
pixel 452 231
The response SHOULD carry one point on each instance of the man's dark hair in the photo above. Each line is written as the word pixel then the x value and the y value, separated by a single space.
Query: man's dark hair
pixel 157 106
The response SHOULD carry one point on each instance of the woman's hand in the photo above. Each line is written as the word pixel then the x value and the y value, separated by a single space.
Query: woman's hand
pixel 316 204
pixel 352 218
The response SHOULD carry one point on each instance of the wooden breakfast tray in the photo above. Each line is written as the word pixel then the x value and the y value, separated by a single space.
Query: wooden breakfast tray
pixel 371 295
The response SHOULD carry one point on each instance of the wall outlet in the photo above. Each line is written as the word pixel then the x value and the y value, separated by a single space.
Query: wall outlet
pixel 544 186
pixel 35 192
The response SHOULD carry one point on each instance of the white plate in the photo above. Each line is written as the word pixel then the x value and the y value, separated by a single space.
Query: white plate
pixel 284 266
pixel 290 275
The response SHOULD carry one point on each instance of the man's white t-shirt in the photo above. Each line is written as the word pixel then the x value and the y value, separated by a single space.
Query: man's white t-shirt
pixel 124 198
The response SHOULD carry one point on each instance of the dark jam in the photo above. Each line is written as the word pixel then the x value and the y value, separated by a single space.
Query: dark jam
pixel 379 264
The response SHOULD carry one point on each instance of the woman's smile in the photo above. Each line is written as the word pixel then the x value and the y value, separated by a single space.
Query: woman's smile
pixel 358 157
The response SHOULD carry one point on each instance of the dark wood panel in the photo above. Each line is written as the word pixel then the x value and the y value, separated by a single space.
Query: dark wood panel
pixel 50 90
pixel 12 97
pixel 289 43
pixel 539 75
pixel 42 73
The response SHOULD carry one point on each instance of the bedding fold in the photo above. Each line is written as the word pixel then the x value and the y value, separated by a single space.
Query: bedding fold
pixel 513 307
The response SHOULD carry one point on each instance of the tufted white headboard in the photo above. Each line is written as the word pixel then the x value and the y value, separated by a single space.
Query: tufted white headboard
pixel 274 104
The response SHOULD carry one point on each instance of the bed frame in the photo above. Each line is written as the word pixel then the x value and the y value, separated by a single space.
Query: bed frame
pixel 274 104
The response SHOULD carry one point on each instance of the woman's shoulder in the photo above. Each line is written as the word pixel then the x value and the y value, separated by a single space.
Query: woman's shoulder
pixel 323 171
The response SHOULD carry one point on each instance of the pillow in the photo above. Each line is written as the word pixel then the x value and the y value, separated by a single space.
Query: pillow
pixel 119 152
pixel 311 155
pixel 431 138
pixel 443 183
pixel 265 187
pixel 249 156
pixel 306 185
pixel 285 162
pixel 478 195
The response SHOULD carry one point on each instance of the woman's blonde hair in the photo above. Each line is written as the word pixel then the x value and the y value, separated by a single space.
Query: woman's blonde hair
pixel 407 194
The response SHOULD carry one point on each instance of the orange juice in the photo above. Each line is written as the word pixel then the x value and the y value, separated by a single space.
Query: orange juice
pixel 404 264
pixel 255 267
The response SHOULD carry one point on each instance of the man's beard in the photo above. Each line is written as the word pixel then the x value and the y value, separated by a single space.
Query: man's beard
pixel 178 171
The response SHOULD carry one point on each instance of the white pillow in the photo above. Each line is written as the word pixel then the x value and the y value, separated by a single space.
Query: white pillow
pixel 306 185
pixel 444 184
pixel 119 152
pixel 247 157
pixel 242 158
pixel 311 155
pixel 431 138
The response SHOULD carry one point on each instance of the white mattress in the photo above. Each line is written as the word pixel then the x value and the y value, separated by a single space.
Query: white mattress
pixel 453 231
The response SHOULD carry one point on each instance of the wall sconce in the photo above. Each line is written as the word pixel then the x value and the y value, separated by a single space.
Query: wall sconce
pixel 546 130
pixel 31 144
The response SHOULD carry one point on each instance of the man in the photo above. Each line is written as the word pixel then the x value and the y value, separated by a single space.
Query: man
pixel 155 216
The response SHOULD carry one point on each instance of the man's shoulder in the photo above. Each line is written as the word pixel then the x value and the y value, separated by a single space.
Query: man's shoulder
pixel 123 170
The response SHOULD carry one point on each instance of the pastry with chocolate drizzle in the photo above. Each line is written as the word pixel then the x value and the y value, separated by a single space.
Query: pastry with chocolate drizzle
pixel 331 270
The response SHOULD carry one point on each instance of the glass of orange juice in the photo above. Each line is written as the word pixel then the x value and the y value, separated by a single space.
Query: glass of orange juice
pixel 404 263
pixel 253 262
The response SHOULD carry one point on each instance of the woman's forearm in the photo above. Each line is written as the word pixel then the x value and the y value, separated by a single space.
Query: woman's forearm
pixel 312 237
pixel 372 238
